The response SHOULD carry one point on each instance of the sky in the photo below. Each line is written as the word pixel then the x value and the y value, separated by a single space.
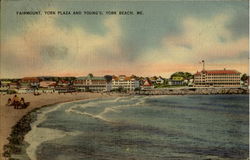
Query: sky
pixel 169 36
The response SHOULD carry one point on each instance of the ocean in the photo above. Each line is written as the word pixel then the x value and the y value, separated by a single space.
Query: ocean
pixel 190 127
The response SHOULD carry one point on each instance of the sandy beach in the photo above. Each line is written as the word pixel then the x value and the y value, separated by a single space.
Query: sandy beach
pixel 10 116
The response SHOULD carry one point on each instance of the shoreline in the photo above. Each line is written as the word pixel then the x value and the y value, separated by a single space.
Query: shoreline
pixel 10 118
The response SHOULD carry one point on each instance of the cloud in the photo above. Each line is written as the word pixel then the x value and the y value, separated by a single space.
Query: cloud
pixel 46 48
pixel 207 39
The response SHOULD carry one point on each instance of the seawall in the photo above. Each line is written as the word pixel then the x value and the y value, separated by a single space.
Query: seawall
pixel 193 91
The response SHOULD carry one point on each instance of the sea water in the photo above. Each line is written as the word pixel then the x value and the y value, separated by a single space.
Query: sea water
pixel 197 127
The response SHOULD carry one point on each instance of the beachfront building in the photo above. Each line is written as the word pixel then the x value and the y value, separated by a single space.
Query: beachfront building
pixel 91 83
pixel 147 85
pixel 63 83
pixel 63 86
pixel 29 82
pixel 176 81
pixel 47 86
pixel 217 78
pixel 153 79
pixel 14 85
pixel 159 80
pixel 191 82
pixel 125 83
pixel 5 84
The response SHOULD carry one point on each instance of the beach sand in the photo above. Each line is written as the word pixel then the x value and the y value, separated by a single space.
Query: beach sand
pixel 10 116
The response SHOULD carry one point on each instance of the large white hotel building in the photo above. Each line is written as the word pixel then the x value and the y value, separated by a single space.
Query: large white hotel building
pixel 217 78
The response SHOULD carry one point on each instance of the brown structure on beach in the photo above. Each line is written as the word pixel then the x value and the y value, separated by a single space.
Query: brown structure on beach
pixel 29 82
pixel 217 78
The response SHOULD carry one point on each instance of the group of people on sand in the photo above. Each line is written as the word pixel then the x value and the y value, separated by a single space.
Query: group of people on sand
pixel 17 102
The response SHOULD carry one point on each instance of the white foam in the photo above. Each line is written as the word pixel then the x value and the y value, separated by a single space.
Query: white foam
pixel 38 135
pixel 73 109
pixel 107 110
pixel 88 114
pixel 100 116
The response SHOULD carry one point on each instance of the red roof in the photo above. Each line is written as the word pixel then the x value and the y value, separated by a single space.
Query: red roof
pixel 219 72
pixel 147 83
pixel 63 81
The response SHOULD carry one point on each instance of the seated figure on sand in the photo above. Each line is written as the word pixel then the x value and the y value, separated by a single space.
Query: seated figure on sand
pixel 23 104
pixel 9 102
pixel 15 101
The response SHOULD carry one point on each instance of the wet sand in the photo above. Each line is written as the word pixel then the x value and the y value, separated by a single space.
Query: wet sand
pixel 10 116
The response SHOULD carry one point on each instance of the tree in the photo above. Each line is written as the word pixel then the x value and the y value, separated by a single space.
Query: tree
pixel 188 75
pixel 90 75
pixel 244 77
pixel 55 79
pixel 108 78
pixel 185 75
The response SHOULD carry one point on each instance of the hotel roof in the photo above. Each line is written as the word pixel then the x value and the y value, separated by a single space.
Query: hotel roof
pixel 218 72
pixel 123 78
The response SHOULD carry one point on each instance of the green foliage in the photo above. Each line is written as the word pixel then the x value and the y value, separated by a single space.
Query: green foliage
pixel 120 90
pixel 185 75
pixel 50 78
pixel 137 89
pixel 108 78
pixel 164 85
pixel 90 75
pixel 244 77
pixel 167 86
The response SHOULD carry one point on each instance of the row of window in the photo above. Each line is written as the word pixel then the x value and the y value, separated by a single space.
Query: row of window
pixel 217 78
pixel 220 74
pixel 123 85
pixel 217 81
pixel 217 84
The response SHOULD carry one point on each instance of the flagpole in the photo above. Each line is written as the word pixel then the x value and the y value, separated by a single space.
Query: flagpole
pixel 203 65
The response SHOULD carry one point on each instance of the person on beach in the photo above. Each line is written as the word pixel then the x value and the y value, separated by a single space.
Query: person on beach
pixel 15 101
pixel 22 103
pixel 9 102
